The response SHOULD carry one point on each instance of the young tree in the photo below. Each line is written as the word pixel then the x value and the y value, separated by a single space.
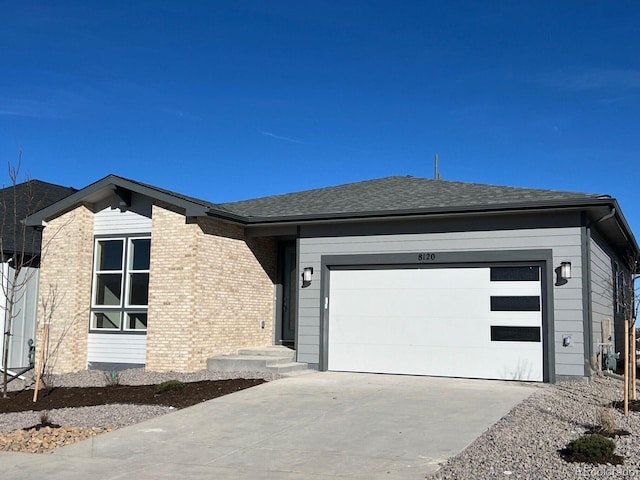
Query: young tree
pixel 19 250
pixel 627 303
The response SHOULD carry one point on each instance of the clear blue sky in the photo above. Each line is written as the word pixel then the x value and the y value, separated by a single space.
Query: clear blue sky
pixel 226 100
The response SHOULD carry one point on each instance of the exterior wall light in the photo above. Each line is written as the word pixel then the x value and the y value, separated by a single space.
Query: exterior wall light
pixel 565 270
pixel 307 274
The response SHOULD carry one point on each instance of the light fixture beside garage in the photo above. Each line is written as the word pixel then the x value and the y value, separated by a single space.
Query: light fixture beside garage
pixel 565 270
pixel 307 274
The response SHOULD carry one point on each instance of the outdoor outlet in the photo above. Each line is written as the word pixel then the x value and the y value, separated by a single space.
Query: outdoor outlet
pixel 566 341
pixel 262 324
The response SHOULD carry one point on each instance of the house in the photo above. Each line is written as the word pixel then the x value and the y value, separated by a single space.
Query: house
pixel 395 275
pixel 20 249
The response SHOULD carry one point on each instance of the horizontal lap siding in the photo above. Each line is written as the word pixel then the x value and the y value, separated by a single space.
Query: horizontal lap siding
pixel 564 242
pixel 110 219
pixel 601 293
pixel 117 348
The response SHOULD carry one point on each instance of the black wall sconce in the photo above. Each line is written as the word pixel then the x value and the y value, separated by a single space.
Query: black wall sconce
pixel 563 273
pixel 565 270
pixel 307 274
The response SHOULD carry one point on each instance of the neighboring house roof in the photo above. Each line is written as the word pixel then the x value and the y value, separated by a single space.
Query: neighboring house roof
pixel 390 197
pixel 19 201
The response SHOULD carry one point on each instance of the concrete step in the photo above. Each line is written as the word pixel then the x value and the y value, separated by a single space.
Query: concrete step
pixel 276 359
pixel 289 367
pixel 298 373
pixel 271 351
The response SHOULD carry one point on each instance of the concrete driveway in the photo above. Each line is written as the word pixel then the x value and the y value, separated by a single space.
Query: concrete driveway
pixel 324 425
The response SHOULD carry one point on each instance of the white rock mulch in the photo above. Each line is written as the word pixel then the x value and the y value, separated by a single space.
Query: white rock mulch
pixel 525 443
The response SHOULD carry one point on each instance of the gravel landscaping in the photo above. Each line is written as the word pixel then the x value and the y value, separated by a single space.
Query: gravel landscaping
pixel 82 422
pixel 524 444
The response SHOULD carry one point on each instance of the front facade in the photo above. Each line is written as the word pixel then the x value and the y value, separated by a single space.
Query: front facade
pixel 161 292
pixel 404 276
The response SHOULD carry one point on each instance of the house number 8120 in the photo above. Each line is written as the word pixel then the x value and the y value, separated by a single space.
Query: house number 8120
pixel 426 257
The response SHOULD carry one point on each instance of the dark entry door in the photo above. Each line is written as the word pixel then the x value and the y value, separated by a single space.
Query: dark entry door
pixel 288 294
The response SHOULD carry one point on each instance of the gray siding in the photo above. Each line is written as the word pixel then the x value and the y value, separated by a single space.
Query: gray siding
pixel 110 219
pixel 564 242
pixel 24 315
pixel 601 289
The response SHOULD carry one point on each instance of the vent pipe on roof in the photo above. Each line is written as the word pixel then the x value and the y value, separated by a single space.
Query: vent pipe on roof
pixel 436 169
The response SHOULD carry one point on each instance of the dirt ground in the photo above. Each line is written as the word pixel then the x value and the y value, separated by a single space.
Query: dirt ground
pixel 62 397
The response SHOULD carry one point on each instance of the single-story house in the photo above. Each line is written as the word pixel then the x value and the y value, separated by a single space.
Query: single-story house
pixel 397 275
pixel 20 250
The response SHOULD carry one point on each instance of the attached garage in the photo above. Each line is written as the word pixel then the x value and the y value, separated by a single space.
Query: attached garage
pixel 481 321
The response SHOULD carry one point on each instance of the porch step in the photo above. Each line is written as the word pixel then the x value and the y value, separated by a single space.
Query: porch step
pixel 274 359
pixel 271 351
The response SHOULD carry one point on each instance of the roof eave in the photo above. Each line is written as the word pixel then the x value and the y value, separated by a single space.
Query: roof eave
pixel 192 209
pixel 421 212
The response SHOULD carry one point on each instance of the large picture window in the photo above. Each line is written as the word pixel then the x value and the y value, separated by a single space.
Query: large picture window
pixel 120 293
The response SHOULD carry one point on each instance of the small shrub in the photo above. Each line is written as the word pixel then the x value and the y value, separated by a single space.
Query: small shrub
pixel 592 448
pixel 45 421
pixel 607 420
pixel 170 385
pixel 44 418
pixel 112 378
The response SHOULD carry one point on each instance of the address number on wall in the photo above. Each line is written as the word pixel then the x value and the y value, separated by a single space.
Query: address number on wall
pixel 426 257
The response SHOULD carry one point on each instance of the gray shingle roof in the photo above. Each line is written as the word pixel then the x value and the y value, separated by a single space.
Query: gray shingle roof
pixel 398 193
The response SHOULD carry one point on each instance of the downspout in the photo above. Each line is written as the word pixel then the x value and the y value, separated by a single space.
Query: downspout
pixel 606 217
pixel 586 298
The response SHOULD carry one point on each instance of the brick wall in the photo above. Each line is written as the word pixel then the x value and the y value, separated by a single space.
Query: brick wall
pixel 172 299
pixel 65 287
pixel 209 291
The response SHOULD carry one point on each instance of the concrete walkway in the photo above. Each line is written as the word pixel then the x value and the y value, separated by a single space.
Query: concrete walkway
pixel 318 426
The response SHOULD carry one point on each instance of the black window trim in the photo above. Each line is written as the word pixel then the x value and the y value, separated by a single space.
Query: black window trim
pixel 123 308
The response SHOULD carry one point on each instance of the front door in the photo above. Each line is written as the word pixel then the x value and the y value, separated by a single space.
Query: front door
pixel 287 301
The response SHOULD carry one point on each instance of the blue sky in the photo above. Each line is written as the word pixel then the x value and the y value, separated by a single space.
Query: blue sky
pixel 226 100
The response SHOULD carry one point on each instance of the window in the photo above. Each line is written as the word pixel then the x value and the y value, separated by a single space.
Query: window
pixel 120 284
pixel 515 274
pixel 514 334
pixel 515 304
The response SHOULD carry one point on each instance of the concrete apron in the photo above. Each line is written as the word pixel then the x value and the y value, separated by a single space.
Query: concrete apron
pixel 323 425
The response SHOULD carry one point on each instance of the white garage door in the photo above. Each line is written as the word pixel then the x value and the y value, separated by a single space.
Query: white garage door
pixel 458 322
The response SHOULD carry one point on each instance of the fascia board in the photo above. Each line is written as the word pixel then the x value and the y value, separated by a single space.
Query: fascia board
pixel 112 182
pixel 440 211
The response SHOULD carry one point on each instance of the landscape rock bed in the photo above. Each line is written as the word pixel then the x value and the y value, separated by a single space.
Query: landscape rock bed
pixel 526 443
pixel 46 439
pixel 81 422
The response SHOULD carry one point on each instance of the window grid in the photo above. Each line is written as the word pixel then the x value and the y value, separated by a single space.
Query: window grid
pixel 127 313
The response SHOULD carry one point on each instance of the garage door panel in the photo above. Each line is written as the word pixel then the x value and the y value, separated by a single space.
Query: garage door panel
pixel 402 330
pixel 407 278
pixel 515 318
pixel 434 321
pixel 514 288
pixel 392 301
pixel 441 361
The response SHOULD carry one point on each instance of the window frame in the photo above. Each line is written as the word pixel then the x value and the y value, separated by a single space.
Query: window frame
pixel 124 308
